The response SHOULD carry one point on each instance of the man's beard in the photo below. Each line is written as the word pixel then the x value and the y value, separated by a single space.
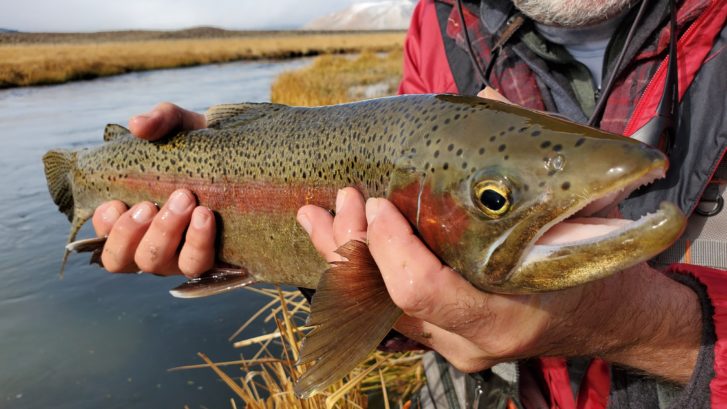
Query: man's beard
pixel 572 13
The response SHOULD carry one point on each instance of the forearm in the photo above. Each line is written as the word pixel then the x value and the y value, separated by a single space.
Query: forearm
pixel 656 329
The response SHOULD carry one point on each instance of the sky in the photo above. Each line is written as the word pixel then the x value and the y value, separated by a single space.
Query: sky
pixel 100 15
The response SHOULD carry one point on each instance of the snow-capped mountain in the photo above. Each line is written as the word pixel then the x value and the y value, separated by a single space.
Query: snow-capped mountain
pixel 367 15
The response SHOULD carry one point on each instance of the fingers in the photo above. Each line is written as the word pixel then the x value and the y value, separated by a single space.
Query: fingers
pixel 350 221
pixel 106 215
pixel 318 223
pixel 198 252
pixel 146 239
pixel 164 119
pixel 328 233
pixel 157 251
pixel 415 278
pixel 124 238
pixel 491 93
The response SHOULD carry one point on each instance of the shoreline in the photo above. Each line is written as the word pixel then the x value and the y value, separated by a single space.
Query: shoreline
pixel 28 59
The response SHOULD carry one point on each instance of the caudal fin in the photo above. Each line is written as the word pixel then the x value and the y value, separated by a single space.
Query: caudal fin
pixel 59 166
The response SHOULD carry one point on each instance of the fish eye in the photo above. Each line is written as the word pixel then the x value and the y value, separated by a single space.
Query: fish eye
pixel 492 197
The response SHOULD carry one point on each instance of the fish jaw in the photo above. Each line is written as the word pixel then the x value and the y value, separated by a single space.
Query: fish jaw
pixel 549 267
pixel 600 247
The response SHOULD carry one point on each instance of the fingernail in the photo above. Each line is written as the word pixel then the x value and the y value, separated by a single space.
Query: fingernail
pixel 180 202
pixel 141 213
pixel 340 197
pixel 305 223
pixel 372 209
pixel 200 217
pixel 110 215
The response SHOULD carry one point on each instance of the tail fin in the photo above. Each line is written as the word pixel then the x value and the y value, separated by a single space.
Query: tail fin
pixel 59 166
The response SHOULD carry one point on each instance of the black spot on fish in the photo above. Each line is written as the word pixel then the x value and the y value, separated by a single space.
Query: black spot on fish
pixel 506 157
pixel 541 184
pixel 459 152
pixel 482 151
pixel 445 166
pixel 502 148
pixel 526 187
pixel 446 121
pixel 523 129
pixel 557 148
pixel 545 144
pixel 436 154
pixel 511 128
pixel 450 147
pixel 580 141
pixel 535 133
pixel 552 172
pixel 565 186
pixel 464 165
pixel 492 138
pixel 435 127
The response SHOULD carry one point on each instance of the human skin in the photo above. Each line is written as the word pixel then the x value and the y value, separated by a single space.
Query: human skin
pixel 638 318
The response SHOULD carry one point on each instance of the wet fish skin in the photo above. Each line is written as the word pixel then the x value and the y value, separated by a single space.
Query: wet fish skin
pixel 438 158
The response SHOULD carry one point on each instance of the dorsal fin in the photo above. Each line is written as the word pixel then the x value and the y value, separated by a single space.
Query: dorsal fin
pixel 227 115
pixel 113 131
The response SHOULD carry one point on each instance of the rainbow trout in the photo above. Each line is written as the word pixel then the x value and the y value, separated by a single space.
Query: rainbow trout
pixel 487 186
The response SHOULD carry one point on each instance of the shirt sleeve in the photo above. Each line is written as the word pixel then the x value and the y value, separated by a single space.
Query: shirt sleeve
pixel 426 68
pixel 711 286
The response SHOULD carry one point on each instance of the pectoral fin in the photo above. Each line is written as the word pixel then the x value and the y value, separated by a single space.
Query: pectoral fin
pixel 216 281
pixel 352 313
pixel 93 245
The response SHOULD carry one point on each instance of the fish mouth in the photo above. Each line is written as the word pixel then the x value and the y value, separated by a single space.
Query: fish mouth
pixel 596 221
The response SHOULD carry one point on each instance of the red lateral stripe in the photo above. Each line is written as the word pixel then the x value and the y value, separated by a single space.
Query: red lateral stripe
pixel 692 49
pixel 251 197
pixel 715 282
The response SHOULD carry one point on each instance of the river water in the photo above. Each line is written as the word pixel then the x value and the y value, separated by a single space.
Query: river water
pixel 94 339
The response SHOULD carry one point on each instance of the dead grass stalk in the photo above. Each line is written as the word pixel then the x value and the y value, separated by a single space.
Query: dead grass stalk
pixel 268 379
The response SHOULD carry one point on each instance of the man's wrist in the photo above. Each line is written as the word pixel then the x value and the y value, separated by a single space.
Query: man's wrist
pixel 657 328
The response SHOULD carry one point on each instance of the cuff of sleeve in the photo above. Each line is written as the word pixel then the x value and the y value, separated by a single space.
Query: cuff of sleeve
pixel 710 372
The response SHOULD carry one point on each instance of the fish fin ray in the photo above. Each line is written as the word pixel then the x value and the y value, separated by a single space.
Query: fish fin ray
pixel 351 312
pixel 218 280
pixel 93 245
pixel 229 115
pixel 114 131
pixel 86 245
pixel 58 165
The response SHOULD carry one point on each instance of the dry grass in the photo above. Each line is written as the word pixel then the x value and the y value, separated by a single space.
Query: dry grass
pixel 268 376
pixel 336 79
pixel 24 64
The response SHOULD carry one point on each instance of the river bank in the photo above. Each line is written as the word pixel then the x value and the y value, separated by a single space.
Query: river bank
pixel 53 58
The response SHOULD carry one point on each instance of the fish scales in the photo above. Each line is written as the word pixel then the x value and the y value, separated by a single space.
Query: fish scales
pixel 257 175
pixel 486 185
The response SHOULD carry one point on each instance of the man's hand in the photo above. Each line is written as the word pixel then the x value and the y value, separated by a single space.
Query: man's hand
pixel 638 318
pixel 146 238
